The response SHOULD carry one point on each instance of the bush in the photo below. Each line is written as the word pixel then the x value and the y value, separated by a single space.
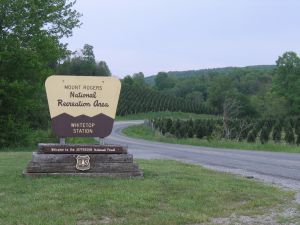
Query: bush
pixel 176 128
pixel 264 135
pixel 239 129
pixel 200 129
pixel 190 132
pixel 277 132
pixel 289 135
pixel 183 130
pixel 14 133
pixel 251 136
pixel 168 124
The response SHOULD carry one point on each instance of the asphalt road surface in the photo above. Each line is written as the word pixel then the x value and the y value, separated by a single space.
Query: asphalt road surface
pixel 273 167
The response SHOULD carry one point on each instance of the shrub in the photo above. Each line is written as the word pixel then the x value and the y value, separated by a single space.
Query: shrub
pixel 200 129
pixel 251 136
pixel 264 135
pixel 289 134
pixel 277 132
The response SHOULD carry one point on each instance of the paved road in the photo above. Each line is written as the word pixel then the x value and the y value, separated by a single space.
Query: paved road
pixel 279 168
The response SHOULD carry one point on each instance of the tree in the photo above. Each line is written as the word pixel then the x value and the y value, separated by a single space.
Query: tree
pixel 83 63
pixel 221 88
pixel 30 33
pixel 195 96
pixel 231 110
pixel 139 79
pixel 88 53
pixel 287 80
pixel 277 132
pixel 200 128
pixel 102 69
pixel 127 80
pixel 264 135
pixel 177 128
pixel 190 131
pixel 162 81
pixel 289 134
pixel 251 136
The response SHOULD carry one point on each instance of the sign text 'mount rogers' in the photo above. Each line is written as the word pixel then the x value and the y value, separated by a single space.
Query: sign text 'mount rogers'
pixel 82 106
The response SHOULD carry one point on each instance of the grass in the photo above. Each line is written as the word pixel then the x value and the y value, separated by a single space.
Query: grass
pixel 173 115
pixel 145 132
pixel 170 193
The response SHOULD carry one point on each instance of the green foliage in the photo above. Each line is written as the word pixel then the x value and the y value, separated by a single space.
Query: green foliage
pixel 259 91
pixel 287 81
pixel 251 137
pixel 138 79
pixel 135 99
pixel 215 71
pixel 162 81
pixel 127 80
pixel 239 129
pixel 264 135
pixel 277 132
pixel 84 64
pixel 190 131
pixel 289 134
pixel 221 88
pixel 200 128
pixel 246 86
pixel 176 128
pixel 29 50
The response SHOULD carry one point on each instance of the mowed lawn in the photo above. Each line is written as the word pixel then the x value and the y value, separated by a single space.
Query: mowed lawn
pixel 170 193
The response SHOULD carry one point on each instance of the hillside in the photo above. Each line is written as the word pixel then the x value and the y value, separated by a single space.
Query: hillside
pixel 135 99
pixel 224 70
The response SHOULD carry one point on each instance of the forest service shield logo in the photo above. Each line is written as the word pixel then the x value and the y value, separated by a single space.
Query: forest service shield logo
pixel 83 162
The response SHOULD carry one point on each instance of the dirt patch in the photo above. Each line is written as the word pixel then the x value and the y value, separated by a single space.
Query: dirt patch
pixel 103 220
pixel 288 216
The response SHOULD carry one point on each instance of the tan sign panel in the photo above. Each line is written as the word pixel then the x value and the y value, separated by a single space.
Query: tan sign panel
pixel 82 106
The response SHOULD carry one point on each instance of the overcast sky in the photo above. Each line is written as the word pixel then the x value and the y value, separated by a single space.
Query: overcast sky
pixel 165 35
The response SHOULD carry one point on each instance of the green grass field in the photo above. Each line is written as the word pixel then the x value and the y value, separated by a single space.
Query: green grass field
pixel 173 115
pixel 170 193
pixel 145 132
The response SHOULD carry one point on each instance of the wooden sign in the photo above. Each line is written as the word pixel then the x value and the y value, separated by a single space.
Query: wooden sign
pixel 82 106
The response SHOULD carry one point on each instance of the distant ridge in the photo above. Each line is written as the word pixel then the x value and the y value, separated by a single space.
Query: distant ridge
pixel 201 72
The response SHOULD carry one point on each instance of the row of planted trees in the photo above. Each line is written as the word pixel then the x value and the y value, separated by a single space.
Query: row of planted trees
pixel 263 130
pixel 134 99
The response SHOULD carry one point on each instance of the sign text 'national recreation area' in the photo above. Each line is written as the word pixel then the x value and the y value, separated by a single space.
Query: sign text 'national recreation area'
pixel 82 106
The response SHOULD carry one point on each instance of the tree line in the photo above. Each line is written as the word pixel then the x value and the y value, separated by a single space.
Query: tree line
pixel 263 130
pixel 256 91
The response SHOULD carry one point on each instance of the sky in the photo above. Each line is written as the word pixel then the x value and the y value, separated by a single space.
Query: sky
pixel 150 36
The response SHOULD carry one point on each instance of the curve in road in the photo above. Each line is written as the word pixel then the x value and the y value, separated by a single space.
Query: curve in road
pixel 273 167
